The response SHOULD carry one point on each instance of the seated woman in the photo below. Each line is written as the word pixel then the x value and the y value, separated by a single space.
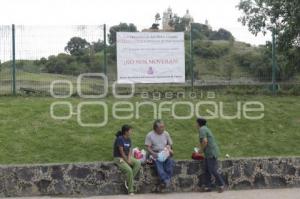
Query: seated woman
pixel 122 157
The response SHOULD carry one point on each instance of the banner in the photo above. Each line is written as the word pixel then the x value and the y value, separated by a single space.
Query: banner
pixel 150 57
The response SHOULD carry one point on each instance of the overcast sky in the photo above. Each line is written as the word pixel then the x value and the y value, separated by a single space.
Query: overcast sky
pixel 219 13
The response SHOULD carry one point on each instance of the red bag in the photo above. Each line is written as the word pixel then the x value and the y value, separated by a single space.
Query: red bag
pixel 197 156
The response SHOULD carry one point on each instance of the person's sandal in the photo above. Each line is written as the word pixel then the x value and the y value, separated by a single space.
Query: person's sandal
pixel 206 189
pixel 221 189
pixel 162 185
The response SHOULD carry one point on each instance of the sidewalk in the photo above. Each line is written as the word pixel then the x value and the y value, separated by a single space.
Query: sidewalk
pixel 293 193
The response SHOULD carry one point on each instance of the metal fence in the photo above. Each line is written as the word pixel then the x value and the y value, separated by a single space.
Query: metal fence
pixel 32 57
pixel 25 49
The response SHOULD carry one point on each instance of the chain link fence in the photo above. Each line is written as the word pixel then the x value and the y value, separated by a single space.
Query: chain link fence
pixel 47 53
pixel 44 54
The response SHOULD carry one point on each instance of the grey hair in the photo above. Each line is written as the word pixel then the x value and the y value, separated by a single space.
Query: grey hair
pixel 157 123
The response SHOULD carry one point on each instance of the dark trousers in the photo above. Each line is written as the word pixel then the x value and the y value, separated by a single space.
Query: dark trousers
pixel 165 169
pixel 211 169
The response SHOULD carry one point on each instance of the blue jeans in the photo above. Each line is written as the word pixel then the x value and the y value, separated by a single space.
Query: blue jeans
pixel 211 169
pixel 165 169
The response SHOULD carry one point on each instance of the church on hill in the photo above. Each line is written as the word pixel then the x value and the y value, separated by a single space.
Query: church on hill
pixel 169 18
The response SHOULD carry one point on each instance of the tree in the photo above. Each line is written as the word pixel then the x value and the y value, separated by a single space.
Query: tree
pixel 97 46
pixel 221 34
pixel 96 63
pixel 77 46
pixel 122 27
pixel 157 18
pixel 155 25
pixel 43 60
pixel 201 31
pixel 111 51
pixel 54 65
pixel 179 24
pixel 281 15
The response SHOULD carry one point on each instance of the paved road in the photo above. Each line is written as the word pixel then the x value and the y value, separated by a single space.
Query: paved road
pixel 245 194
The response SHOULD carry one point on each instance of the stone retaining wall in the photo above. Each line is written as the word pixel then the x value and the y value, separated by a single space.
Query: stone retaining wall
pixel 104 178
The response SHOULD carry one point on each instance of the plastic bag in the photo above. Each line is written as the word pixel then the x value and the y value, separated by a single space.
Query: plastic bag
pixel 163 155
pixel 139 154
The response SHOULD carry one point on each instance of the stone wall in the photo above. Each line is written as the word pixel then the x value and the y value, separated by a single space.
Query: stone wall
pixel 103 178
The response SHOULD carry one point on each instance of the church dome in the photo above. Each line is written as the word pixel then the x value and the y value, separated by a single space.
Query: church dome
pixel 187 15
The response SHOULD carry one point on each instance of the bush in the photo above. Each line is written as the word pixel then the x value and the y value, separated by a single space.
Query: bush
pixel 208 49
pixel 257 63
pixel 221 34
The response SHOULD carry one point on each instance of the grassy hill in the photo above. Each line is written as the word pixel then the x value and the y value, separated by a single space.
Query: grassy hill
pixel 224 66
pixel 29 135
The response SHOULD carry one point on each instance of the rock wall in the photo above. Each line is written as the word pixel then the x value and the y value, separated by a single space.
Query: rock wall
pixel 104 178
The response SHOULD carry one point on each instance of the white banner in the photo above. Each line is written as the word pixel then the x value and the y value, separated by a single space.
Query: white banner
pixel 150 57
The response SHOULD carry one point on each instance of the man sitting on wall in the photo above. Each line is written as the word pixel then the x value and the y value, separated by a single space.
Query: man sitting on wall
pixel 159 145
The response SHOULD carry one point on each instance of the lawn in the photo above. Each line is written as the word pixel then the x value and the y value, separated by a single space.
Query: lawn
pixel 29 135
pixel 42 81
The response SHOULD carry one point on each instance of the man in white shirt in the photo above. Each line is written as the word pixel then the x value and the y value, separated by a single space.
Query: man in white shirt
pixel 157 141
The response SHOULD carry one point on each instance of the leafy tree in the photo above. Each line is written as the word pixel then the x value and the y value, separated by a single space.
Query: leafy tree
pixel 97 46
pixel 154 26
pixel 59 64
pixel 54 66
pixel 201 31
pixel 43 60
pixel 122 27
pixel 96 63
pixel 111 50
pixel 256 62
pixel 283 17
pixel 77 46
pixel 264 15
pixel 221 34
pixel 157 18
pixel 288 63
pixel 179 24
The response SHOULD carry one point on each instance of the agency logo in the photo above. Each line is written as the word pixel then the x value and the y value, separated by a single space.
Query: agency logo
pixel 203 104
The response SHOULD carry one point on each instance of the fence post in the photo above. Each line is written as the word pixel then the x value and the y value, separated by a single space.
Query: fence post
pixel 273 61
pixel 104 50
pixel 191 57
pixel 13 60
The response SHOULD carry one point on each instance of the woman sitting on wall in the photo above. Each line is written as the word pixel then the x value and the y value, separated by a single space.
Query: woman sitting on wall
pixel 122 157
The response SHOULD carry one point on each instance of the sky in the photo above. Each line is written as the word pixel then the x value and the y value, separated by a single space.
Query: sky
pixel 219 13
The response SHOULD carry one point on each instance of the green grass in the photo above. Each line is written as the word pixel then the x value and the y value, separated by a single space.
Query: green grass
pixel 212 69
pixel 41 81
pixel 6 74
pixel 29 135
